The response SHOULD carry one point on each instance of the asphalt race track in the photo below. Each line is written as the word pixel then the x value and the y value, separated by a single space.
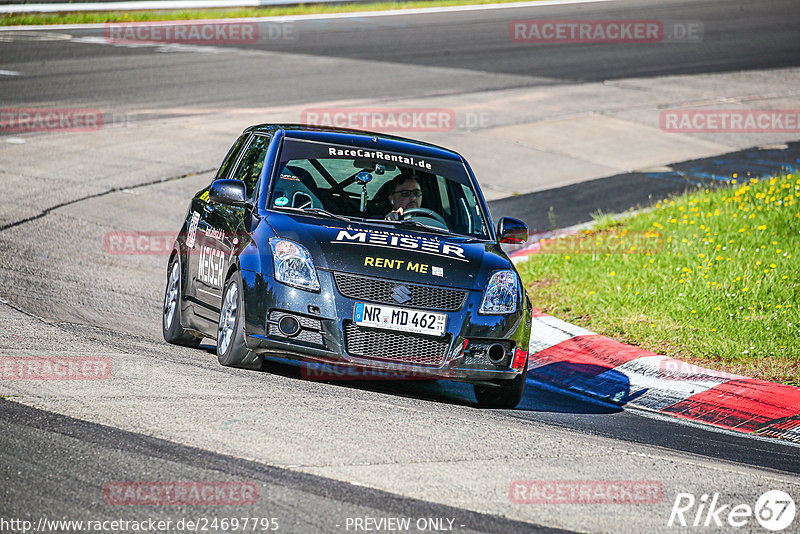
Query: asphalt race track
pixel 322 455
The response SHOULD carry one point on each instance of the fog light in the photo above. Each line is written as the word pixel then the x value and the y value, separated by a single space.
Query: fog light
pixel 289 326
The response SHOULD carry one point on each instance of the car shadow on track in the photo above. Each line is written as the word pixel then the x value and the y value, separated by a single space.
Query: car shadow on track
pixel 535 399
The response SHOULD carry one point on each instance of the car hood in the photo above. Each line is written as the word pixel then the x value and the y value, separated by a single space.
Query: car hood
pixel 387 251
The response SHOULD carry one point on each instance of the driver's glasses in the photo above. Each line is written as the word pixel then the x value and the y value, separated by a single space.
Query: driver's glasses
pixel 405 193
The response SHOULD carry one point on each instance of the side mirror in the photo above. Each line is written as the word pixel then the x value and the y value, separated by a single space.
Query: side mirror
pixel 231 192
pixel 512 231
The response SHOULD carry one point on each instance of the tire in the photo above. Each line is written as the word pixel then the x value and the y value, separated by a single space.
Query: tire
pixel 508 395
pixel 171 315
pixel 232 350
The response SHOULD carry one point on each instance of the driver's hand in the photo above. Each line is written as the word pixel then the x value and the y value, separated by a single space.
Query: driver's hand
pixel 395 215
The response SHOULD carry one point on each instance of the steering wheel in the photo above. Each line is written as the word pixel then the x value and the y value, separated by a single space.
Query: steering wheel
pixel 407 214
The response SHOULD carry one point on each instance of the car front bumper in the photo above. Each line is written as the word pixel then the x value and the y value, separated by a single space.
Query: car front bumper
pixel 328 336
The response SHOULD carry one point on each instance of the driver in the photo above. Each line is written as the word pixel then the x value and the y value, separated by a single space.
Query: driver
pixel 405 195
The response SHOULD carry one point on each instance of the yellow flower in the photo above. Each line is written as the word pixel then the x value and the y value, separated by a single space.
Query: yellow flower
pixel 612 273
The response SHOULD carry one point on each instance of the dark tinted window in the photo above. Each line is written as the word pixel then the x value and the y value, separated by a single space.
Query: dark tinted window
pixel 252 163
pixel 230 159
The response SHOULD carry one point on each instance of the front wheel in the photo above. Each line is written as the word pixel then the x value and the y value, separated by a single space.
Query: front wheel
pixel 508 395
pixel 171 317
pixel 232 350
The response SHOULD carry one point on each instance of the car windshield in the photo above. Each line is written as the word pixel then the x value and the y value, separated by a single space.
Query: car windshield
pixel 359 183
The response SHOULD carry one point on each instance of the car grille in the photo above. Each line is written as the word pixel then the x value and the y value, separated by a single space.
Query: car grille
pixel 395 346
pixel 381 291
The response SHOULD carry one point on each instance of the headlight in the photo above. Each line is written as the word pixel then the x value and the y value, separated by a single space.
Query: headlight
pixel 293 264
pixel 501 294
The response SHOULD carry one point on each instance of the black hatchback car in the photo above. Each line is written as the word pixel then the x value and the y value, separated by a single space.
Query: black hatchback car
pixel 297 250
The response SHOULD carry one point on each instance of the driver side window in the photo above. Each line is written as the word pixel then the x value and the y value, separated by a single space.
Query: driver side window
pixel 252 163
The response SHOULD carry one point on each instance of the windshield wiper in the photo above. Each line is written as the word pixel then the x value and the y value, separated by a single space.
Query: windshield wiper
pixel 417 224
pixel 326 213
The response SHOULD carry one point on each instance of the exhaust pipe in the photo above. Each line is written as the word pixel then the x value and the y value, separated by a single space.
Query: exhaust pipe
pixel 496 353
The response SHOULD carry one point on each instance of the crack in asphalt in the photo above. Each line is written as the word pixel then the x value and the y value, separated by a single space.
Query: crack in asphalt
pixel 436 462
pixel 47 211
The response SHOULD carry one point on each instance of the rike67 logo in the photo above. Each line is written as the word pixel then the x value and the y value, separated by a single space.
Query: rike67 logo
pixel 774 510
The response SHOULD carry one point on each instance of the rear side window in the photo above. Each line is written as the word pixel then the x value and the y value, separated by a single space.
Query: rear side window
pixel 231 158
pixel 252 163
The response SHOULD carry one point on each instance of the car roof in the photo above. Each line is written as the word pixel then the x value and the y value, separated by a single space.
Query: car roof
pixel 359 138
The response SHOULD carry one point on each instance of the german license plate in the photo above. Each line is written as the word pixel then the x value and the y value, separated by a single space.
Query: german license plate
pixel 401 319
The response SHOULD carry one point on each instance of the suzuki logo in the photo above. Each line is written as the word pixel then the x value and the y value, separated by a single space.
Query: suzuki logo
pixel 401 294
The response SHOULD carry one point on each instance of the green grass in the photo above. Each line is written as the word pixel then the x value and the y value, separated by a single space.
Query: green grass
pixel 199 14
pixel 709 277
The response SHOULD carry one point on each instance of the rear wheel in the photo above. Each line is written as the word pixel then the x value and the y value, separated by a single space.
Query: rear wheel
pixel 171 316
pixel 232 350
pixel 507 394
